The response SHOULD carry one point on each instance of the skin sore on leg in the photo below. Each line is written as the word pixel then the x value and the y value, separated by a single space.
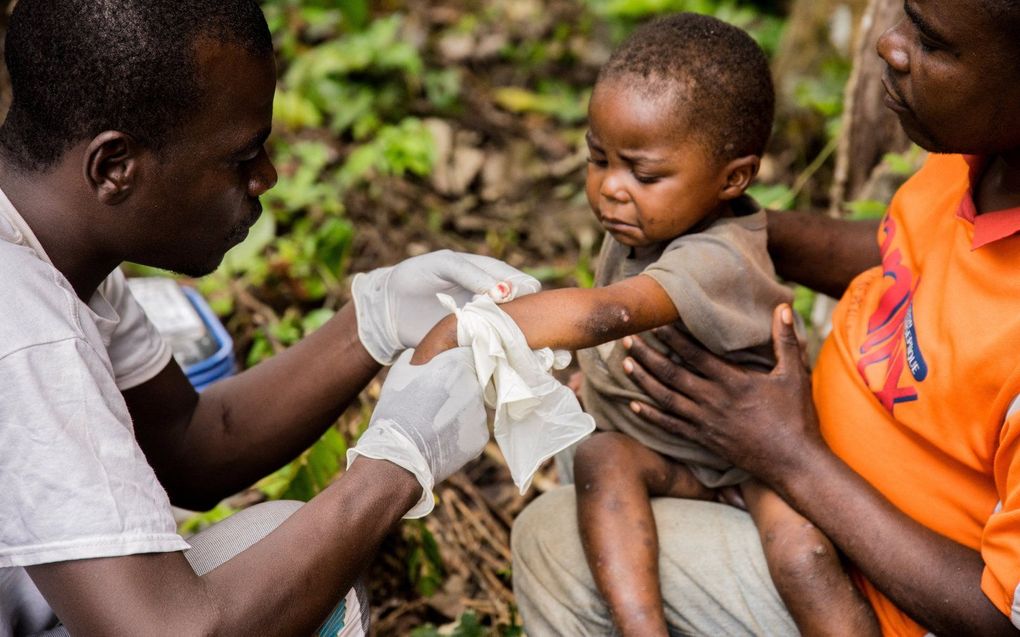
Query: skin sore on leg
pixel 618 530
pixel 806 569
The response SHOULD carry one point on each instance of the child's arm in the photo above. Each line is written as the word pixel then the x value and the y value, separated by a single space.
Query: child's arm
pixel 573 318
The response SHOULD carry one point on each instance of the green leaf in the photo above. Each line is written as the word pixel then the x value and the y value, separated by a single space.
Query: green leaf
pixel 246 255
pixel 424 564
pixel 804 302
pixel 260 350
pixel 293 110
pixel 355 12
pixel 773 196
pixel 866 209
pixel 315 319
pixel 903 164
pixel 200 521
pixel 311 472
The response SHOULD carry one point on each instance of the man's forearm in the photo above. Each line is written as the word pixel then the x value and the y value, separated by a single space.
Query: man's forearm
pixel 820 252
pixel 285 584
pixel 932 578
pixel 247 426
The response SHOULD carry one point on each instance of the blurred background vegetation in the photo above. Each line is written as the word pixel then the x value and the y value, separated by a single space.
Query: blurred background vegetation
pixel 401 127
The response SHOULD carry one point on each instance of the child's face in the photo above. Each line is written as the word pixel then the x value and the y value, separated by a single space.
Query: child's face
pixel 951 77
pixel 647 181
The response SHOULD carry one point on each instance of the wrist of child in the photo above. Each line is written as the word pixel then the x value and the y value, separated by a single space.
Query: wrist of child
pixel 442 337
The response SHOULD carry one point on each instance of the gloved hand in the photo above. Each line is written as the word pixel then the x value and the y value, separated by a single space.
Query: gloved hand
pixel 397 306
pixel 429 420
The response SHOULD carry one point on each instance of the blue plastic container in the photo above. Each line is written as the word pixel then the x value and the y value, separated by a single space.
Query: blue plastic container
pixel 199 342
pixel 221 364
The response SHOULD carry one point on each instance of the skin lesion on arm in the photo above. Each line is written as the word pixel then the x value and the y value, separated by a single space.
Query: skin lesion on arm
pixel 573 318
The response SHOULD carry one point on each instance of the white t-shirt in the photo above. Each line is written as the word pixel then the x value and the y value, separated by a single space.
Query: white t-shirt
pixel 74 483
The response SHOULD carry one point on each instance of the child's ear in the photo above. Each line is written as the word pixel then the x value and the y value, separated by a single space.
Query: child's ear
pixel 738 174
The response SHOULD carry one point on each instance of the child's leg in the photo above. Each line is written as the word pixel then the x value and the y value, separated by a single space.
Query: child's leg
pixel 806 569
pixel 615 476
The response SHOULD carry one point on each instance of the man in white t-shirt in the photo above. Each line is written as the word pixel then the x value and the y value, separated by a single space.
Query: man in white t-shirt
pixel 136 133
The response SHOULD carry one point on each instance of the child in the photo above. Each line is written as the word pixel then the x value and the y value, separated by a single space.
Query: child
pixel 678 121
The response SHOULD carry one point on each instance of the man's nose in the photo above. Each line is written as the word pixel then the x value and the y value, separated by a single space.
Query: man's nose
pixel 892 48
pixel 263 175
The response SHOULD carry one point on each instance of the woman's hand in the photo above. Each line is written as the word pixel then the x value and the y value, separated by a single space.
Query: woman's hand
pixel 764 423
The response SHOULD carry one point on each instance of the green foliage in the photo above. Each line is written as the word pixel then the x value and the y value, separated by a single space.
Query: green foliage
pixel 292 21
pixel 772 196
pixel 906 163
pixel 766 29
pixel 396 150
pixel 300 188
pixel 556 99
pixel 354 82
pixel 288 330
pixel 866 209
pixel 200 521
pixel 310 473
pixel 468 625
pixel 824 92
pixel 804 302
pixel 425 564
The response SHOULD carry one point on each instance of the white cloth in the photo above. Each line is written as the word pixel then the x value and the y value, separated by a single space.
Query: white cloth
pixel 536 416
pixel 74 483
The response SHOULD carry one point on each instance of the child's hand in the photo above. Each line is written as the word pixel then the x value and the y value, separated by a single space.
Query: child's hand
pixel 731 496
pixel 575 382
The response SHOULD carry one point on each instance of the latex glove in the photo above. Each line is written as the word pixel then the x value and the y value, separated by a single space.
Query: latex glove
pixel 397 306
pixel 429 420
pixel 536 416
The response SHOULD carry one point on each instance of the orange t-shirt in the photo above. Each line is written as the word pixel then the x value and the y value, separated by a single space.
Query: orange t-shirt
pixel 918 386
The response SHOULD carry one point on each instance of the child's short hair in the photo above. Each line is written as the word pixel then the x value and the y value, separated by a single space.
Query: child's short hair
pixel 716 75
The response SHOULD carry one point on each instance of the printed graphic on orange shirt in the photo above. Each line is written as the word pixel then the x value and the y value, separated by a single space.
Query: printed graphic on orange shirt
pixel 892 344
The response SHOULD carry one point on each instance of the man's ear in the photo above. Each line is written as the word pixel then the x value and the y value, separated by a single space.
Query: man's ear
pixel 738 174
pixel 112 166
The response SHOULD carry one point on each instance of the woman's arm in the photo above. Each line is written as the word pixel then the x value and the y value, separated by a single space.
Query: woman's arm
pixel 573 318
pixel 823 253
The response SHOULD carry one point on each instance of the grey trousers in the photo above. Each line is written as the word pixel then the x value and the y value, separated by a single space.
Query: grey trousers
pixel 224 540
pixel 712 572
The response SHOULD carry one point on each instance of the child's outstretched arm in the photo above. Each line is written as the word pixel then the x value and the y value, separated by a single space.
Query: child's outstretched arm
pixel 573 318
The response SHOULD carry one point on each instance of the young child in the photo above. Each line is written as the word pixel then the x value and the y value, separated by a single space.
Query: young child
pixel 678 121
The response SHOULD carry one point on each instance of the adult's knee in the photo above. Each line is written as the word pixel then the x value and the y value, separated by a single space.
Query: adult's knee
pixel 533 528
pixel 549 569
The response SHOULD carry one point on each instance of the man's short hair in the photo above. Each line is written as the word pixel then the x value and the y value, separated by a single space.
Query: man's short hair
pixel 717 77
pixel 79 67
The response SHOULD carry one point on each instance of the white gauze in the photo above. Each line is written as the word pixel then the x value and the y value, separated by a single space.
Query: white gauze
pixel 536 415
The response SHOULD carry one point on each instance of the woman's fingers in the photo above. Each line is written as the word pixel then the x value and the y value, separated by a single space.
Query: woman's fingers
pixel 667 422
pixel 674 398
pixel 669 376
pixel 693 354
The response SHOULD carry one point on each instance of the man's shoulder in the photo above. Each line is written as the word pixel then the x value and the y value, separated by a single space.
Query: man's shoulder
pixel 38 307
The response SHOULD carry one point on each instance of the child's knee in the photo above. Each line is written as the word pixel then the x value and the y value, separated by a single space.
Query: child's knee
pixel 596 456
pixel 798 554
